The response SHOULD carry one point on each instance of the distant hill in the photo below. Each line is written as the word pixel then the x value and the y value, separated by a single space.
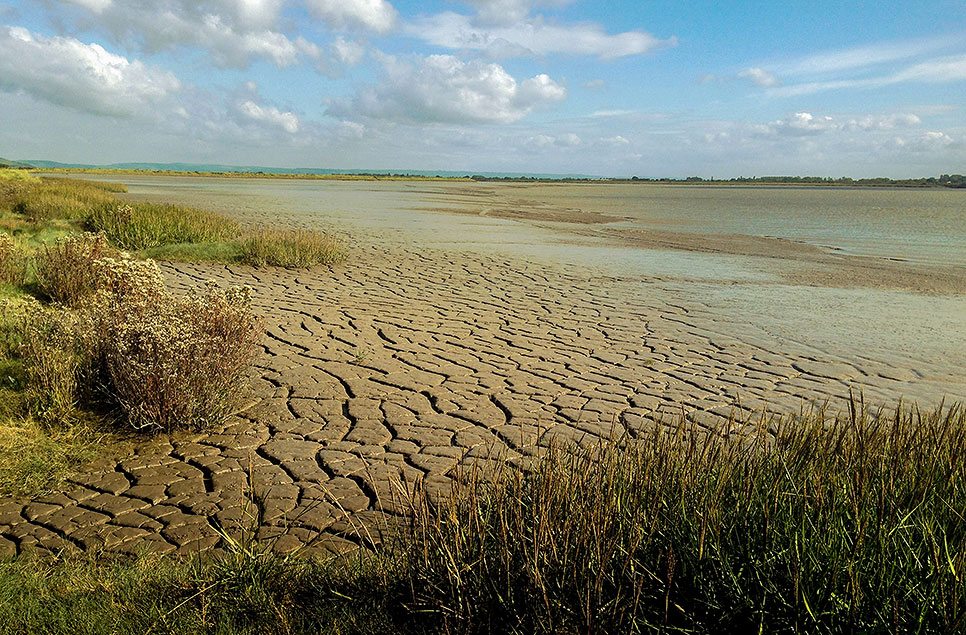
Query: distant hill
pixel 14 164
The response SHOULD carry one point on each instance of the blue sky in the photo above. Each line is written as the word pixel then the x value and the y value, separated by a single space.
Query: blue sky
pixel 561 86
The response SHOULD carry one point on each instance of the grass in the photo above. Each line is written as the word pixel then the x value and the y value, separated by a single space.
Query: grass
pixel 35 211
pixel 290 248
pixel 35 453
pixel 813 524
pixel 148 225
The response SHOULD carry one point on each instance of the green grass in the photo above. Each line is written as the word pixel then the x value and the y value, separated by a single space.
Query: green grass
pixel 812 524
pixel 148 225
pixel 36 211
pixel 36 455
pixel 295 249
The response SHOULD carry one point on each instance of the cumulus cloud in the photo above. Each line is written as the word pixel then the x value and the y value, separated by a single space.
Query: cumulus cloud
pixel 347 52
pixel 805 123
pixel 534 36
pixel 616 141
pixel 372 15
pixel 442 88
pixel 84 77
pixel 269 115
pixel 759 77
pixel 234 31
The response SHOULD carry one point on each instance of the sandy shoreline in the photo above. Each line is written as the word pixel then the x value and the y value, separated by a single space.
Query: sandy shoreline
pixel 406 364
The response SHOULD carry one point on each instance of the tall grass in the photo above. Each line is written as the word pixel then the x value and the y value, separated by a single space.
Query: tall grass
pixel 67 271
pixel 147 225
pixel 13 262
pixel 43 199
pixel 290 248
pixel 814 524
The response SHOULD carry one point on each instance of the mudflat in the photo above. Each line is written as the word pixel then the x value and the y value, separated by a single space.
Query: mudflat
pixel 485 322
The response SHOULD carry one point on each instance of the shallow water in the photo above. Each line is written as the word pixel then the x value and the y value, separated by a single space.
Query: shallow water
pixel 748 295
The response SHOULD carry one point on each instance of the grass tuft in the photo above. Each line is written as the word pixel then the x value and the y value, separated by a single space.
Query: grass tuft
pixel 148 225
pixel 295 248
pixel 67 271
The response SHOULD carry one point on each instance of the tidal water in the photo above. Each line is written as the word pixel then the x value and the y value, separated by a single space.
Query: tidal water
pixel 746 294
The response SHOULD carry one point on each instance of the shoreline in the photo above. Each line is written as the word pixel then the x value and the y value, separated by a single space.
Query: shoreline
pixel 391 176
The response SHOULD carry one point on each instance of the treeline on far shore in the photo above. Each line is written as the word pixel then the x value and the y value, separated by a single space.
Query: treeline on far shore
pixel 943 180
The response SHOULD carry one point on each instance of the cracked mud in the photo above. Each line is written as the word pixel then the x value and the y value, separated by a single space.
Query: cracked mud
pixel 403 366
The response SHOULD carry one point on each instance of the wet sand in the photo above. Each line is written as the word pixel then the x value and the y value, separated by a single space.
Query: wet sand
pixel 411 361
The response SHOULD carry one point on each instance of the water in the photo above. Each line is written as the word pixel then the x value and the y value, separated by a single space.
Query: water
pixel 777 300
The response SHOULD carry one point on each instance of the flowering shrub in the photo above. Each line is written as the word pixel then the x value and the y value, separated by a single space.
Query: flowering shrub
pixel 165 361
pixel 13 262
pixel 171 361
pixel 67 270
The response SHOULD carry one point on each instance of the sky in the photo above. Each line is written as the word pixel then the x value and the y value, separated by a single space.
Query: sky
pixel 618 88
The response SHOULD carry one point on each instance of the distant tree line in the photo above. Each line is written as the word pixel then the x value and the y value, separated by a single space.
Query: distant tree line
pixel 944 180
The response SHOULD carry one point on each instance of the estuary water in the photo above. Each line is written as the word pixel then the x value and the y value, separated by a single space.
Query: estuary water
pixel 874 274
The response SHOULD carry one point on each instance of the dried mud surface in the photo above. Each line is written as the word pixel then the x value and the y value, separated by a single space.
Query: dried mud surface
pixel 409 365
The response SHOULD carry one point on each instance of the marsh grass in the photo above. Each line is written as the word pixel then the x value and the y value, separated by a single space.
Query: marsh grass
pixel 36 211
pixel 812 524
pixel 36 450
pixel 148 225
pixel 13 262
pixel 290 248
pixel 67 271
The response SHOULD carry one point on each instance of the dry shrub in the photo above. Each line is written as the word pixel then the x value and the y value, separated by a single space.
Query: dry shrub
pixel 13 261
pixel 297 248
pixel 67 270
pixel 171 361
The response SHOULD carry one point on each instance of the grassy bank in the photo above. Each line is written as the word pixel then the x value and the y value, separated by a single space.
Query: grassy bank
pixel 36 210
pixel 814 524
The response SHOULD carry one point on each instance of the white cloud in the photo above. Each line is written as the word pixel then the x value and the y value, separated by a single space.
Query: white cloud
pixel 347 52
pixel 851 59
pixel 886 122
pixel 96 6
pixel 938 70
pixel 510 11
pixel 234 31
pixel 372 15
pixel 759 77
pixel 934 71
pixel 805 124
pixel 615 141
pixel 533 36
pixel 595 83
pixel 442 88
pixel 84 77
pixel 269 115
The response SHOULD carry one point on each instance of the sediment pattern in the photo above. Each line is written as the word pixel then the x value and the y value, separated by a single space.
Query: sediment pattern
pixel 402 367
